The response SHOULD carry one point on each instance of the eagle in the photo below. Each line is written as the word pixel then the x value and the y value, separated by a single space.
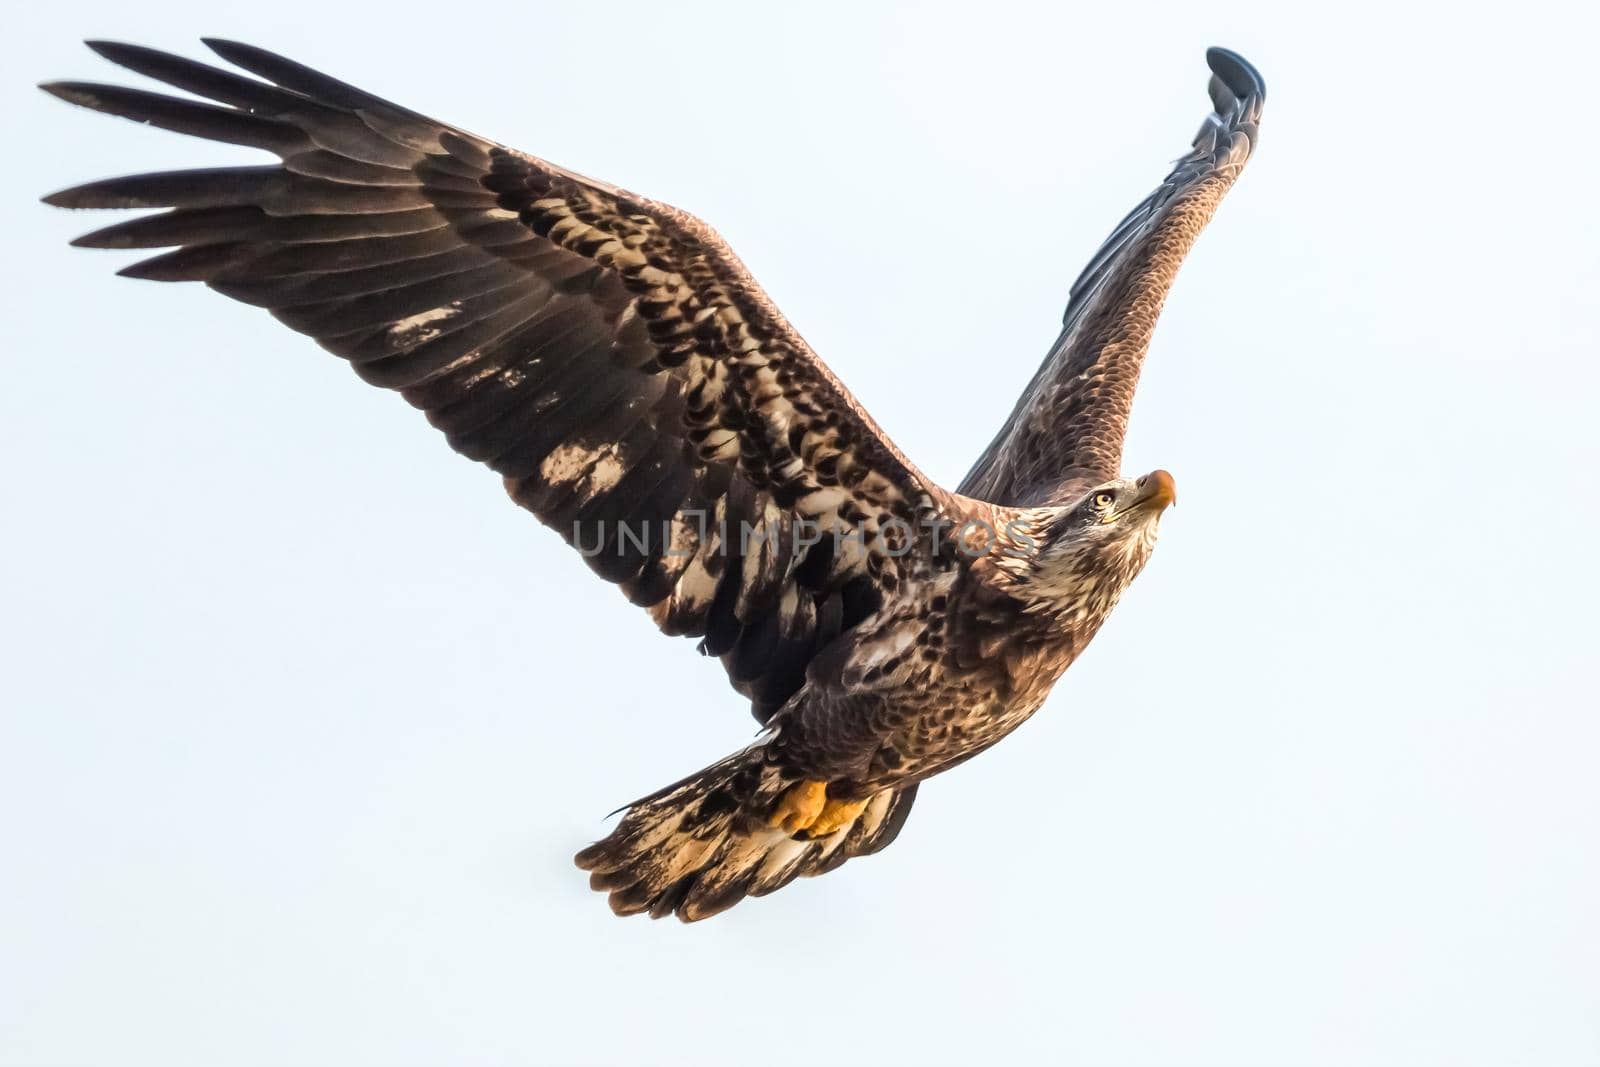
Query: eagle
pixel 613 361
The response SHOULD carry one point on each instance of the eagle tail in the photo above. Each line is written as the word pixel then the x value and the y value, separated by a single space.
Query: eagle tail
pixel 700 846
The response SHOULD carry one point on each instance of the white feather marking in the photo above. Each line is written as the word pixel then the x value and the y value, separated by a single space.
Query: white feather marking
pixel 822 501
pixel 418 329
pixel 877 808
pixel 741 856
pixel 828 845
pixel 606 474
pixel 691 855
pixel 696 587
pixel 784 855
pixel 570 462
pixel 664 827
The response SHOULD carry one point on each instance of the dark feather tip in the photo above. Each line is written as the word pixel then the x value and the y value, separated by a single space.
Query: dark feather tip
pixel 112 50
pixel 589 858
pixel 62 198
pixel 222 46
pixel 71 92
pixel 1236 73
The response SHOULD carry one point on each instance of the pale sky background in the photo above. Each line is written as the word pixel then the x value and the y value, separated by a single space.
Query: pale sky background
pixel 303 721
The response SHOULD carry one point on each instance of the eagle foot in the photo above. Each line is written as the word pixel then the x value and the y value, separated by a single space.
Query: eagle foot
pixel 806 810
pixel 799 806
pixel 836 815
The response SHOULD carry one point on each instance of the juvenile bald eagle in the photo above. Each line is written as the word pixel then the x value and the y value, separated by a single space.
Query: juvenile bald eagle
pixel 611 359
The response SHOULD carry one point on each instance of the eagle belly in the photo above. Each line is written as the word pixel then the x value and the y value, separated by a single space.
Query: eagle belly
pixel 917 694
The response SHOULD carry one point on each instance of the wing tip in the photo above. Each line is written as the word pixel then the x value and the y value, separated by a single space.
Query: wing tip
pixel 253 58
pixel 91 95
pixel 123 54
pixel 1236 72
pixel 62 198
pixel 223 45
pixel 101 46
pixel 141 272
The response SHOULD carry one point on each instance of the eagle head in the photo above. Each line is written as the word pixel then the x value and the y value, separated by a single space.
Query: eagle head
pixel 1093 547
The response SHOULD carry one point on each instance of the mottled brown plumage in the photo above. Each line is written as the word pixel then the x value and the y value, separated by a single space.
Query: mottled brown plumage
pixel 613 361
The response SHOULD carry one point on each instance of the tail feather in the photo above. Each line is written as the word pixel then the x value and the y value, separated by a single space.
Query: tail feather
pixel 702 845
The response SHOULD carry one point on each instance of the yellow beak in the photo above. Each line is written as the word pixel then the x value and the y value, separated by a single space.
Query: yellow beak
pixel 1156 490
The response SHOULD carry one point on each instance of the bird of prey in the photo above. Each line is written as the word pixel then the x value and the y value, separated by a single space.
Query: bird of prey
pixel 610 358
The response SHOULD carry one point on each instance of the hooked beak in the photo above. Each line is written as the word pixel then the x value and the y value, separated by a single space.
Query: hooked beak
pixel 1157 491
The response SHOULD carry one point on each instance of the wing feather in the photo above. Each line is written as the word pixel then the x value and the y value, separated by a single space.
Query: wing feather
pixel 606 354
pixel 1065 434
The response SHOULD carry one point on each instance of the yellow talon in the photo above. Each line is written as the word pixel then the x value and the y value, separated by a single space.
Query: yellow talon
pixel 806 808
pixel 835 816
pixel 799 806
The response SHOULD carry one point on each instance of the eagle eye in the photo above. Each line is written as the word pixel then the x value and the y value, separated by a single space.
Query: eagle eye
pixel 1103 499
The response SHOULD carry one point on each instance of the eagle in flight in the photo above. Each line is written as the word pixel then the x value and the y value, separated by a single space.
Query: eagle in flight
pixel 611 359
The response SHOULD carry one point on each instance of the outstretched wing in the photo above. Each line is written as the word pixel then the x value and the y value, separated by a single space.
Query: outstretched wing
pixel 607 355
pixel 1065 434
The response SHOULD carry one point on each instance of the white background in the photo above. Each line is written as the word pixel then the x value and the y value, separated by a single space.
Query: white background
pixel 303 720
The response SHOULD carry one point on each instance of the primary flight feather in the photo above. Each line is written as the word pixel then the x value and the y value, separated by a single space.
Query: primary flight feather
pixel 613 361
